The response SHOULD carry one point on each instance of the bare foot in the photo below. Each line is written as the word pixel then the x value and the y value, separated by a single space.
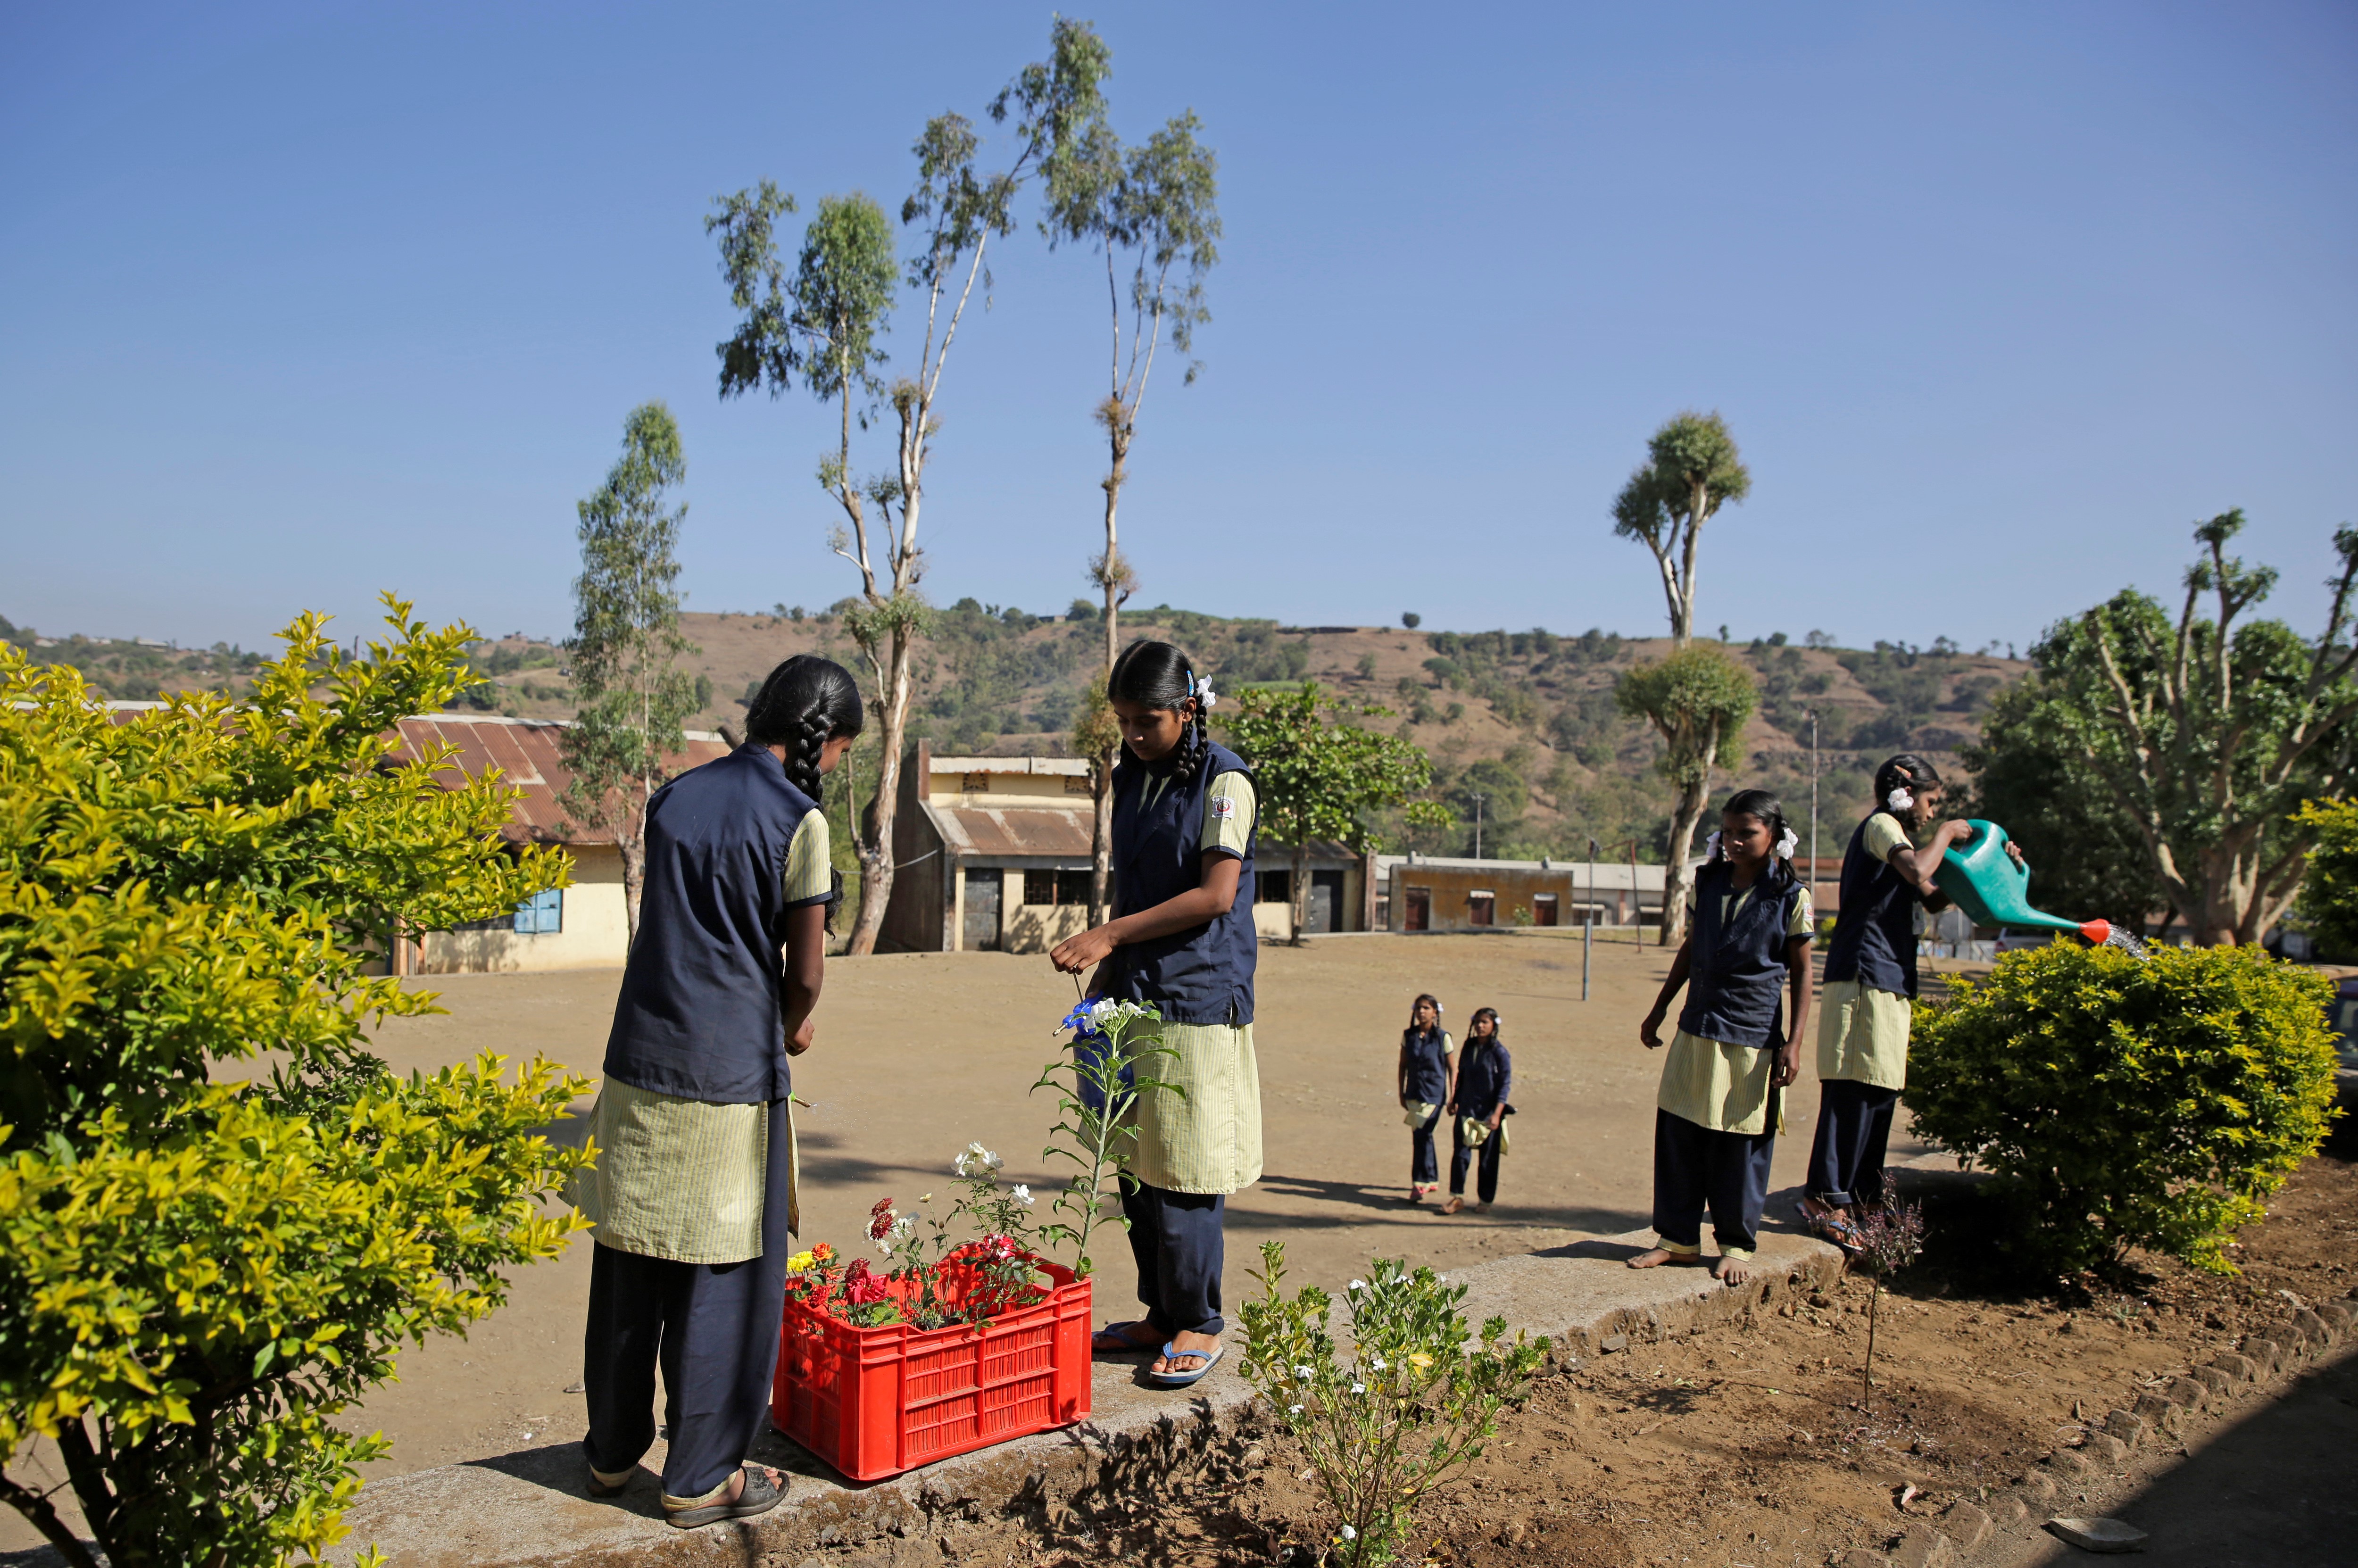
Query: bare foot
pixel 1655 1256
pixel 1189 1352
pixel 1456 1205
pixel 1731 1271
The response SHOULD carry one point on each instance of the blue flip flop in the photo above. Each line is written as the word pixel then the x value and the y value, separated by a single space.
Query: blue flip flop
pixel 1181 1380
pixel 1119 1346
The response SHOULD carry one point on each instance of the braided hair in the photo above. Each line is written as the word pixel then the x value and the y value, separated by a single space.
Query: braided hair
pixel 1156 674
pixel 804 704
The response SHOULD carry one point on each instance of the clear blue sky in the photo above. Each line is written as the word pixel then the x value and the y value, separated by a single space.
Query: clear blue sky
pixel 301 301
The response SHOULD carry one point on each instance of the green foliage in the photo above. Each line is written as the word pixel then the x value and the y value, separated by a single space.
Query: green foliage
pixel 2083 849
pixel 2329 894
pixel 2151 1103
pixel 1406 1414
pixel 1096 1087
pixel 1691 470
pixel 763 351
pixel 1697 700
pixel 626 641
pixel 1318 775
pixel 2207 735
pixel 194 1276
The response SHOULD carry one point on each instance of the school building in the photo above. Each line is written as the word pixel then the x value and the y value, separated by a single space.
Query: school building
pixel 583 926
pixel 1419 892
pixel 992 854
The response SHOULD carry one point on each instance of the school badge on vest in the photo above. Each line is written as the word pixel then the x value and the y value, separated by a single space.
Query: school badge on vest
pixel 1223 805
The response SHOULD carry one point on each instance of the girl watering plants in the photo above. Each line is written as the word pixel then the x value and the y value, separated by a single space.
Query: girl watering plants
pixel 1721 1103
pixel 693 1193
pixel 1428 1082
pixel 1182 941
pixel 1870 980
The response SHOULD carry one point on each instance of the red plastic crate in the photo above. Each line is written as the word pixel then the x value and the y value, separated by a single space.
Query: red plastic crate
pixel 875 1401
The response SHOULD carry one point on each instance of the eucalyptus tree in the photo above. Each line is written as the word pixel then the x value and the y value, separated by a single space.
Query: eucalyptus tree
pixel 1691 470
pixel 823 323
pixel 626 643
pixel 1152 212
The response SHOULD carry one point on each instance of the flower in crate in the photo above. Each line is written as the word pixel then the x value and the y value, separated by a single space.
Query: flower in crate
pixel 800 1262
pixel 881 1220
pixel 863 1286
pixel 975 1162
pixel 1023 1195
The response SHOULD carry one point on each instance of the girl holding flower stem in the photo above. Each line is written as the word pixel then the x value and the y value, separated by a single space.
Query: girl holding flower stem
pixel 1180 942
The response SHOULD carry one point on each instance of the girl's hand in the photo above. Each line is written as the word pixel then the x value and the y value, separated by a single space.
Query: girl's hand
pixel 803 1037
pixel 1650 1030
pixel 1091 948
pixel 2014 850
pixel 1788 1064
pixel 1497 1117
pixel 1957 830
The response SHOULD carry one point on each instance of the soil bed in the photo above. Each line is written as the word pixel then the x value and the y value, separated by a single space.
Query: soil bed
pixel 1747 1445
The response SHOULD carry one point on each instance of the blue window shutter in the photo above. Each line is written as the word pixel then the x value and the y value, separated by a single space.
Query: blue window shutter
pixel 543 914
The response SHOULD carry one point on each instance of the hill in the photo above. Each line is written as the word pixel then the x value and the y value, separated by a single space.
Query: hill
pixel 1525 720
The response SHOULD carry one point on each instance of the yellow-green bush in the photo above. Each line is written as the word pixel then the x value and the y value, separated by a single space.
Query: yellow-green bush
pixel 196 1272
pixel 2152 1103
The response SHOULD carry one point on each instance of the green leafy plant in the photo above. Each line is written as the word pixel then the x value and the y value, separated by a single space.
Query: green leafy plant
pixel 1097 1085
pixel 2328 892
pixel 195 1275
pixel 2150 1102
pixel 1406 1413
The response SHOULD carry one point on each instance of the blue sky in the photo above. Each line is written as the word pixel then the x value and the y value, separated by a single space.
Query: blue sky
pixel 302 301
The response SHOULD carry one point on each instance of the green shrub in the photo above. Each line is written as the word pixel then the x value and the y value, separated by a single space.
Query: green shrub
pixel 2328 892
pixel 196 1274
pixel 2129 1102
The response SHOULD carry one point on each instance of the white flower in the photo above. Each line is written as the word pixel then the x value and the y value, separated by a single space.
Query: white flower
pixel 1105 1007
pixel 1350 1534
pixel 1023 1195
pixel 1293 1410
pixel 1303 1373
pixel 977 1160
pixel 1358 1284
pixel 1380 1364
pixel 1358 1388
pixel 1899 799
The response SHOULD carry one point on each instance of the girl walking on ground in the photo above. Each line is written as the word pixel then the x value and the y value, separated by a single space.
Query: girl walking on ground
pixel 1428 1082
pixel 1182 940
pixel 1721 1103
pixel 693 1194
pixel 1863 1027
pixel 1478 1109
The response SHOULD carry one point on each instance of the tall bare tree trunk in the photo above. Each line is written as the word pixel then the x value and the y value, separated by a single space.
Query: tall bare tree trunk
pixel 874 844
pixel 1678 883
pixel 1301 889
pixel 1112 576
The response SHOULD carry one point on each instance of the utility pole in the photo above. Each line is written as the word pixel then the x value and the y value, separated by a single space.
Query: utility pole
pixel 1813 795
pixel 1477 827
pixel 1588 921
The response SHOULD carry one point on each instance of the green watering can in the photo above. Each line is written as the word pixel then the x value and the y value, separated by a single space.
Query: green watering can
pixel 1985 881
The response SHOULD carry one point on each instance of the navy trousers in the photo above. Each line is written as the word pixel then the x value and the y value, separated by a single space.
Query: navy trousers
pixel 1423 1159
pixel 1853 1130
pixel 1180 1244
pixel 1695 1167
pixel 713 1329
pixel 1460 1156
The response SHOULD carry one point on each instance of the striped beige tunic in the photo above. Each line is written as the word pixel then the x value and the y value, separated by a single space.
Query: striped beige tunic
pixel 684 1179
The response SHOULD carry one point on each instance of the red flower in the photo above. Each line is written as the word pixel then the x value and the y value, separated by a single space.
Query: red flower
pixel 998 1248
pixel 862 1285
pixel 879 1220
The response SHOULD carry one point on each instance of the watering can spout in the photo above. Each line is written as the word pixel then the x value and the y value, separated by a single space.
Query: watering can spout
pixel 2097 931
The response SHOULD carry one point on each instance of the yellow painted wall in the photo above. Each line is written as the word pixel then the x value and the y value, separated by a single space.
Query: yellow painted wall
pixel 596 933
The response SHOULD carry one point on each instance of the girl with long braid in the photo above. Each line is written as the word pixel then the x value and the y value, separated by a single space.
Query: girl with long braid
pixel 693 1194
pixel 1181 940
pixel 1744 966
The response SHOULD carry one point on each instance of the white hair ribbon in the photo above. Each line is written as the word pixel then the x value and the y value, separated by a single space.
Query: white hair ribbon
pixel 1789 843
pixel 1899 799
pixel 1711 845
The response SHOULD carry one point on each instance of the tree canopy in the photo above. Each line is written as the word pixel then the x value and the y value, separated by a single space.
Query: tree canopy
pixel 1697 700
pixel 1691 470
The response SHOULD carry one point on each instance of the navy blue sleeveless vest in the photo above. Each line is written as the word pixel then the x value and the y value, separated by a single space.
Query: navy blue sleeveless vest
pixel 1875 930
pixel 701 1016
pixel 1204 975
pixel 1737 974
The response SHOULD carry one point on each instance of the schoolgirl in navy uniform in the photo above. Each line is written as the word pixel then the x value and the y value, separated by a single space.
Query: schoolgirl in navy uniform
pixel 1863 1023
pixel 1721 1102
pixel 1182 940
pixel 1428 1076
pixel 1486 1076
pixel 693 1194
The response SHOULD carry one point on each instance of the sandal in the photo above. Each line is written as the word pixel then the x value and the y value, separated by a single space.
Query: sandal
pixel 1457 1204
pixel 758 1496
pixel 1210 1359
pixel 1112 1341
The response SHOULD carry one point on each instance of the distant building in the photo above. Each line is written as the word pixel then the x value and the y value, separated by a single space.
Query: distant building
pixel 583 926
pixel 1423 893
pixel 994 855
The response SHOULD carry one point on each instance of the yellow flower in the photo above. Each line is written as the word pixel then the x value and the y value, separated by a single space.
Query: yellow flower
pixel 798 1263
pixel 1420 1360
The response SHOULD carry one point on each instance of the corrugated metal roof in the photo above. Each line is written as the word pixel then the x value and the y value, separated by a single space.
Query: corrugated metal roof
pixel 524 751
pixel 994 832
pixel 1064 767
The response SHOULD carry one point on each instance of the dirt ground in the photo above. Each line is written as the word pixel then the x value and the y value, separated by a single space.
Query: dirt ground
pixel 917 1053
pixel 1747 1447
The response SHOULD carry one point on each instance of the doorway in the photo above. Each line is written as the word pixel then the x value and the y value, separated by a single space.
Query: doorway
pixel 1416 914
pixel 980 932
pixel 1325 904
